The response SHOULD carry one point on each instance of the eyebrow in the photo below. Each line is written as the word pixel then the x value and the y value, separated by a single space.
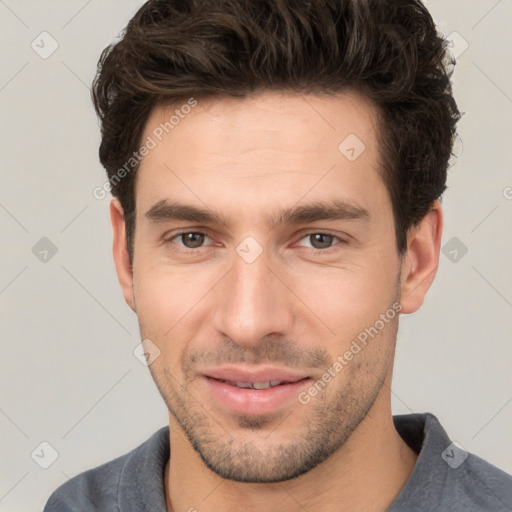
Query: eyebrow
pixel 335 209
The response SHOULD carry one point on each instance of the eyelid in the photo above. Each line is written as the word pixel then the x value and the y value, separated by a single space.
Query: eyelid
pixel 174 235
pixel 322 232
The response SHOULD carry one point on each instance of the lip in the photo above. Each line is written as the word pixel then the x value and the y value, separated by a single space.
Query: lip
pixel 250 401
pixel 254 374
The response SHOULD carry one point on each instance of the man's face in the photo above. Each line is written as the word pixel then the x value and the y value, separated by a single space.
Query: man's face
pixel 262 287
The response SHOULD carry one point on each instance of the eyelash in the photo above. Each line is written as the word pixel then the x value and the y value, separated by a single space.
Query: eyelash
pixel 186 250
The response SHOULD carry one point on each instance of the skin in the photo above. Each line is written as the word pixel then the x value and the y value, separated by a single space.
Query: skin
pixel 298 305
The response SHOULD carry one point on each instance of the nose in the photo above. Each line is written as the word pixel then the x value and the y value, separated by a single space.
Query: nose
pixel 253 303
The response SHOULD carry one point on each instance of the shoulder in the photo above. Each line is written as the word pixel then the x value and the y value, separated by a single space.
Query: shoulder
pixel 447 477
pixel 481 485
pixel 106 486
pixel 95 489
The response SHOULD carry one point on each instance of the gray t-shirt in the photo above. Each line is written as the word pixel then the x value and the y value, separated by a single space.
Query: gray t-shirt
pixel 445 478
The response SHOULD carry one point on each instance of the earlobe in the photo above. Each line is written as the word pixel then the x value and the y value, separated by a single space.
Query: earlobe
pixel 120 252
pixel 420 262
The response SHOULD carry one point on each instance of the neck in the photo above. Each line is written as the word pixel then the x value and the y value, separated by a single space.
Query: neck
pixel 366 473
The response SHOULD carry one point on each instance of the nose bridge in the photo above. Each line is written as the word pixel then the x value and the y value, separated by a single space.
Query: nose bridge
pixel 252 302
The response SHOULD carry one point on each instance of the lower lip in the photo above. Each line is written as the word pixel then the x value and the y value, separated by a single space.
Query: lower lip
pixel 253 401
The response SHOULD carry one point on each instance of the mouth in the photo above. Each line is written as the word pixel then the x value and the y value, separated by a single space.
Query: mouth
pixel 253 391
pixel 256 385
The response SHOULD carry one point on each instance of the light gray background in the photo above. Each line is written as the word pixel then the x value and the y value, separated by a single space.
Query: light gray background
pixel 68 374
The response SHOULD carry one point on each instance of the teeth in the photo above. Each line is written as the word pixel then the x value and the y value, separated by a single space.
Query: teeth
pixel 255 385
pixel 261 385
pixel 242 384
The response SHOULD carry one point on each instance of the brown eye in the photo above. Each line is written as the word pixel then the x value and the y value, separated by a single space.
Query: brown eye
pixel 192 240
pixel 321 240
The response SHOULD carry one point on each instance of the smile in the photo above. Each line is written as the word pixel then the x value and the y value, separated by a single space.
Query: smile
pixel 261 391
pixel 255 385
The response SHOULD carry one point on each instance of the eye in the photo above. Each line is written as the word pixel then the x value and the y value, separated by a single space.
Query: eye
pixel 320 241
pixel 189 239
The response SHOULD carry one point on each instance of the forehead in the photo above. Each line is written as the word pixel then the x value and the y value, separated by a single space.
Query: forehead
pixel 269 147
pixel 280 121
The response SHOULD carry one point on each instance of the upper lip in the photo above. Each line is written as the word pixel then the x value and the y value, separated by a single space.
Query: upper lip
pixel 254 374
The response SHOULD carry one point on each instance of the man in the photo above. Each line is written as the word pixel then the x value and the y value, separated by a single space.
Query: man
pixel 276 169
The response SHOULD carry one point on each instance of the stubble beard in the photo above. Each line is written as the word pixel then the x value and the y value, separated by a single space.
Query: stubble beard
pixel 250 454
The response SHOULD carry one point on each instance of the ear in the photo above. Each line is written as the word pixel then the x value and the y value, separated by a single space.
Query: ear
pixel 120 251
pixel 420 262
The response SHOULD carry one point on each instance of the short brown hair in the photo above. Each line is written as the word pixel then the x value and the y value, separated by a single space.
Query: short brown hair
pixel 389 50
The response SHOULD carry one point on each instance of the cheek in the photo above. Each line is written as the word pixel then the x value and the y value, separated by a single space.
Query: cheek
pixel 170 302
pixel 161 307
pixel 348 300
